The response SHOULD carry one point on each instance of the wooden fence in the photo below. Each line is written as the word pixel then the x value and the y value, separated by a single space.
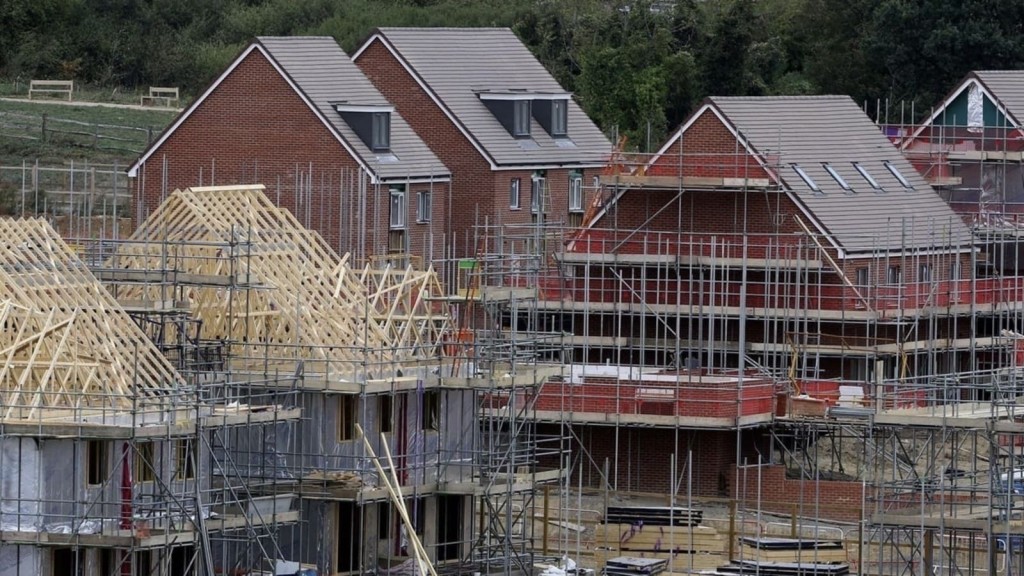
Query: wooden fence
pixel 91 135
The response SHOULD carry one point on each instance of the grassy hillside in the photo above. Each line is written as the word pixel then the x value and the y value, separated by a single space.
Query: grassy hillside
pixel 54 132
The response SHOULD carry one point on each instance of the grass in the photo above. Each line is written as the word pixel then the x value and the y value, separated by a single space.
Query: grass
pixel 94 133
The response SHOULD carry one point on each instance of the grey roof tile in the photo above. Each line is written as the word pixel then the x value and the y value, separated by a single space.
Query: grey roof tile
pixel 326 75
pixel 1007 86
pixel 457 63
pixel 810 131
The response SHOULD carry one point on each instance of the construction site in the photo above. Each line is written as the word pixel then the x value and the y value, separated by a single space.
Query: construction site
pixel 712 373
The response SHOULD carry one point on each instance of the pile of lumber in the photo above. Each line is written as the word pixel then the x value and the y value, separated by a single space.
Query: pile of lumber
pixel 792 550
pixel 672 535
pixel 629 566
pixel 653 515
pixel 785 568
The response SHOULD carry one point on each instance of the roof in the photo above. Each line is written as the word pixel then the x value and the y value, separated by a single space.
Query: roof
pixel 811 131
pixel 454 65
pixel 1007 86
pixel 324 75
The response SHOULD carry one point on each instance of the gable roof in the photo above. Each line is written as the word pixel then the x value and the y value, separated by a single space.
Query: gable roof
pixel 1003 90
pixel 323 75
pixel 454 65
pixel 812 131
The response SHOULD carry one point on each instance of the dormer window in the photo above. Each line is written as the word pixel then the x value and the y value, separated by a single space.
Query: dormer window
pixel 370 122
pixel 516 109
pixel 381 131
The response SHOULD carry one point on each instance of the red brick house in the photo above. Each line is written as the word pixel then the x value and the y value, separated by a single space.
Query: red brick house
pixel 517 144
pixel 297 116
pixel 776 244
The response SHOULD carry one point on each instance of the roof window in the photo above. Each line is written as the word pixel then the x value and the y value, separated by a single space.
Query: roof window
pixel 867 176
pixel 895 172
pixel 839 179
pixel 806 178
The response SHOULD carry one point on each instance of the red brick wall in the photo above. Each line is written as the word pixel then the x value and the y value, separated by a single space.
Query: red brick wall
pixel 253 128
pixel 707 149
pixel 831 499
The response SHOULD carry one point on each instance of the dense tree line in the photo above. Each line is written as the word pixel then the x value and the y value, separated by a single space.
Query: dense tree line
pixel 638 67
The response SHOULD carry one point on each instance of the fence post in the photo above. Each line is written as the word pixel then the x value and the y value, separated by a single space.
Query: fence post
pixel 43 134
pixel 149 135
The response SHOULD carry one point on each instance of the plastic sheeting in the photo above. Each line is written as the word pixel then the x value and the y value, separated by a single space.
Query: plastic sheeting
pixel 975 109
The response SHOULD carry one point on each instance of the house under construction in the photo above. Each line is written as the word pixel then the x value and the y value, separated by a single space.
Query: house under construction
pixel 774 314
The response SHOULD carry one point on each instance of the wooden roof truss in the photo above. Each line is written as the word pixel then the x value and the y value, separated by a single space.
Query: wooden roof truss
pixel 273 289
pixel 65 342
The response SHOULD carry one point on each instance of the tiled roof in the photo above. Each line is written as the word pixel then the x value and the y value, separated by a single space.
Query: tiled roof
pixel 811 131
pixel 1008 88
pixel 457 64
pixel 326 75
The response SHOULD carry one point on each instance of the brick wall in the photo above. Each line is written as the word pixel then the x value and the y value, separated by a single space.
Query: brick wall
pixel 253 128
pixel 769 486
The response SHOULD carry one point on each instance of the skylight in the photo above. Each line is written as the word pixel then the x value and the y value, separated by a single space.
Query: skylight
pixel 835 176
pixel 807 179
pixel 903 181
pixel 867 176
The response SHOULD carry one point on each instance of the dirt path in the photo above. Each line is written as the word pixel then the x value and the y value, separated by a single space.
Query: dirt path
pixel 92 104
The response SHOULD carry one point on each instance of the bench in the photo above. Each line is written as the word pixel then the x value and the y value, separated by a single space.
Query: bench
pixel 51 87
pixel 164 96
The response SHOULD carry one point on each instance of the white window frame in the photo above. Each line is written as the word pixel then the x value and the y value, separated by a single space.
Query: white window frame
pixel 424 205
pixel 576 193
pixel 399 209
pixel 521 118
pixel 559 117
pixel 514 194
pixel 380 129
pixel 536 192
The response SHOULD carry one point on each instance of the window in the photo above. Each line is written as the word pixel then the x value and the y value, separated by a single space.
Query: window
pixel 96 461
pixel 398 209
pixel 431 410
pixel 347 418
pixel 513 194
pixel 385 418
pixel 423 206
pixel 867 176
pixel 537 194
pixel 895 172
pixel 521 119
pixel 381 131
pixel 145 462
pixel 559 117
pixel 895 275
pixel 863 276
pixel 185 460
pixel 575 193
pixel 924 273
pixel 807 179
pixel 839 179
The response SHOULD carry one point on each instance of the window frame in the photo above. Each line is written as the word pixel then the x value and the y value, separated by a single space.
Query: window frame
pixel 521 117
pixel 380 131
pixel 560 118
pixel 515 197
pixel 385 414
pixel 398 209
pixel 347 412
pixel 96 462
pixel 867 176
pixel 576 193
pixel 424 206
pixel 536 194
pixel 898 176
pixel 144 452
